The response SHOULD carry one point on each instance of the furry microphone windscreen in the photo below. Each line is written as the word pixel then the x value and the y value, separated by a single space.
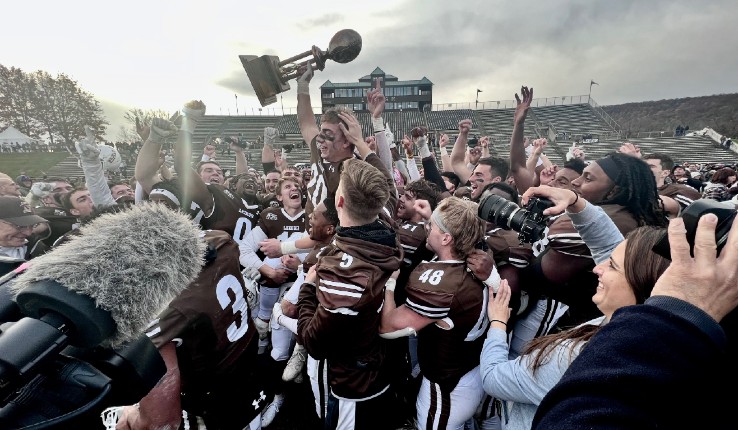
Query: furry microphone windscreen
pixel 132 263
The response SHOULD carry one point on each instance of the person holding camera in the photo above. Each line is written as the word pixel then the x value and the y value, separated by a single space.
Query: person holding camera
pixel 666 350
pixel 626 272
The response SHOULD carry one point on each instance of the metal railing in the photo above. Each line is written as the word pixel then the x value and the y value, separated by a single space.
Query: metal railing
pixel 604 115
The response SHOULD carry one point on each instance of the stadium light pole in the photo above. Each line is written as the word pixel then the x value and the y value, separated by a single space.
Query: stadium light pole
pixel 476 103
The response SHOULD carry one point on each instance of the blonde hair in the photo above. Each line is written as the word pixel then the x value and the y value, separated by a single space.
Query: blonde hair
pixel 364 189
pixel 460 220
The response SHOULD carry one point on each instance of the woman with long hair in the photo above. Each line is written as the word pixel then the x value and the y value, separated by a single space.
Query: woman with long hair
pixel 626 275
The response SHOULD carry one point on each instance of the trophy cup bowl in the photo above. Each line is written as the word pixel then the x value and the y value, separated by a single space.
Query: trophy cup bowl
pixel 269 76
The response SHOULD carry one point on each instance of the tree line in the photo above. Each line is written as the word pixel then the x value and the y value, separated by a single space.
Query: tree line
pixel 41 105
pixel 719 112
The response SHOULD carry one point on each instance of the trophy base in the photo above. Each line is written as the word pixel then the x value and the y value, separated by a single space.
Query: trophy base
pixel 265 77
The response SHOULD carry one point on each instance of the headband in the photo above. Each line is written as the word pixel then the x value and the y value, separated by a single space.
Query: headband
pixel 166 193
pixel 436 217
pixel 610 168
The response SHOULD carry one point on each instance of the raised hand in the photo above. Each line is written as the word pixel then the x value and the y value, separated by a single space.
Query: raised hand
pixel 270 135
pixel 521 109
pixel 548 174
pixel 443 140
pixel 539 145
pixel 142 130
pixel 408 144
pixel 628 148
pixel 375 99
pixel 423 207
pixel 307 73
pixel 484 142
pixel 192 112
pixel 465 126
pixel 209 150
pixel 578 153
pixel 86 146
pixel 303 82
pixel 161 129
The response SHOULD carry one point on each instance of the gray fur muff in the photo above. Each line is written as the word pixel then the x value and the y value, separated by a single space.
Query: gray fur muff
pixel 132 263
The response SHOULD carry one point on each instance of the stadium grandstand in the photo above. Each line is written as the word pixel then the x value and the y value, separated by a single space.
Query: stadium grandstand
pixel 562 120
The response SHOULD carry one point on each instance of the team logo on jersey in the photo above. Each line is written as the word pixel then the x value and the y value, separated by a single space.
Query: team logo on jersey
pixel 271 217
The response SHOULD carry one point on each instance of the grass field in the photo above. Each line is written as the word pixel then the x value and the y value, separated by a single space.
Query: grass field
pixel 32 163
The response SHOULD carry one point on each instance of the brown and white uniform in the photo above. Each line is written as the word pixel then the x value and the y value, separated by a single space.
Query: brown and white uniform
pixel 448 350
pixel 216 341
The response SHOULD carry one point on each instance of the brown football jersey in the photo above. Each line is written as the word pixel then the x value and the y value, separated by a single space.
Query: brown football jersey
pixel 231 213
pixel 277 224
pixel 507 249
pixel 339 317
pixel 209 321
pixel 445 291
pixel 683 194
pixel 412 238
pixel 325 177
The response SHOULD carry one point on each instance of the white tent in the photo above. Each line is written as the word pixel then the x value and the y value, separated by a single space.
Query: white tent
pixel 12 135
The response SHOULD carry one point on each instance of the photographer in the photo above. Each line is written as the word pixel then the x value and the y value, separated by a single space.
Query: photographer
pixel 562 271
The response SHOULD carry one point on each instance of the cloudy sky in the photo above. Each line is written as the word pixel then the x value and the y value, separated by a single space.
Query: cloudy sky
pixel 158 54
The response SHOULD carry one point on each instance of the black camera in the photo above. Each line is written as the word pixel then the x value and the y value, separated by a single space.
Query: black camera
pixel 530 223
pixel 691 216
pixel 472 142
pixel 235 141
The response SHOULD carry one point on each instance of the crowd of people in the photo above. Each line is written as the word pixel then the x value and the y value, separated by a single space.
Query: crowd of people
pixel 406 294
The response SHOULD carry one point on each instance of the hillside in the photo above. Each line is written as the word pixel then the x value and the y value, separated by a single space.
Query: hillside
pixel 719 112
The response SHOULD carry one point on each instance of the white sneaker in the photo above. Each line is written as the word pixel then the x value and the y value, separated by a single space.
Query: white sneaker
pixel 262 327
pixel 295 364
pixel 271 410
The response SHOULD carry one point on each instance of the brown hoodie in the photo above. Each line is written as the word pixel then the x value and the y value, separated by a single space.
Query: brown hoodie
pixel 340 315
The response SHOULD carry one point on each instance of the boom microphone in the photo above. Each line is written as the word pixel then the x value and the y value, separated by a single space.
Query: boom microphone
pixel 131 264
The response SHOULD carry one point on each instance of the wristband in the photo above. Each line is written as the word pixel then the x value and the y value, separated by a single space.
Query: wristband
pixel 288 248
pixel 493 280
pixel 501 322
pixel 303 88
pixel 378 124
pixel 575 201
pixel 390 284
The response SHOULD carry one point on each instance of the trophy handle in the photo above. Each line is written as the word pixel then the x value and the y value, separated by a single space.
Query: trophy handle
pixel 290 71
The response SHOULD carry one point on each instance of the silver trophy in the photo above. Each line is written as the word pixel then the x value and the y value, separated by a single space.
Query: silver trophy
pixel 269 75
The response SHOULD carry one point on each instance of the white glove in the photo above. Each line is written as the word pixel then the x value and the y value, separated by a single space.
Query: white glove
pixel 192 112
pixel 270 135
pixel 42 189
pixel 86 147
pixel 161 129
pixel 277 311
pixel 422 143
pixel 303 82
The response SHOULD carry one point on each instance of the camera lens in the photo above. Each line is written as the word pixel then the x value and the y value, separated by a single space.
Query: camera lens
pixel 497 210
